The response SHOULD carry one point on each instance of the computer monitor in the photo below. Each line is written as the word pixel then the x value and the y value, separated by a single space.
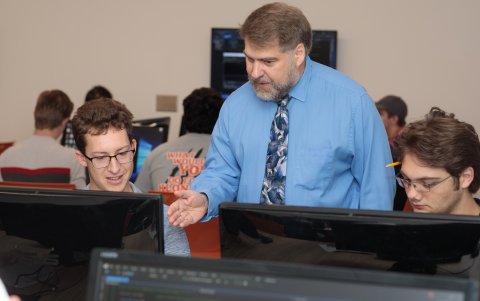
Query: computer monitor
pixel 149 134
pixel 379 240
pixel 127 275
pixel 227 72
pixel 45 233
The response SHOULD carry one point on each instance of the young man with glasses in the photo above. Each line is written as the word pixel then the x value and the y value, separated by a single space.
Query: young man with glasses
pixel 103 134
pixel 440 158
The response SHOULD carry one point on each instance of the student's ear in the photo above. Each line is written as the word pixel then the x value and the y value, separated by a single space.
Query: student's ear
pixel 81 158
pixel 466 177
pixel 64 122
pixel 300 54
pixel 134 144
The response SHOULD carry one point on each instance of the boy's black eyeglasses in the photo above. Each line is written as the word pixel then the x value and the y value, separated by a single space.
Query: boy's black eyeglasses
pixel 104 161
pixel 419 186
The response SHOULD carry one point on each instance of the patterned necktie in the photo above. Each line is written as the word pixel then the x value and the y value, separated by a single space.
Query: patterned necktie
pixel 273 188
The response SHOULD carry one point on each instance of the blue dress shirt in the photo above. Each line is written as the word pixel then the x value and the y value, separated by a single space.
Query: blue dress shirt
pixel 337 151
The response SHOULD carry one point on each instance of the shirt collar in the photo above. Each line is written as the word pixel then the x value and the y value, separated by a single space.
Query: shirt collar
pixel 134 188
pixel 300 90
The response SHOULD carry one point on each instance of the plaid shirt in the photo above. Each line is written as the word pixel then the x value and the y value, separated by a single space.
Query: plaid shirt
pixel 67 138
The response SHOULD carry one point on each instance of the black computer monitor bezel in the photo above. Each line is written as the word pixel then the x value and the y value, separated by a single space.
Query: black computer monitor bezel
pixel 137 212
pixel 270 271
pixel 399 238
pixel 155 132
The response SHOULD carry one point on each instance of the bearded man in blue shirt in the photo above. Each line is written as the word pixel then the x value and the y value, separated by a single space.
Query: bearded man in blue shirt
pixel 337 145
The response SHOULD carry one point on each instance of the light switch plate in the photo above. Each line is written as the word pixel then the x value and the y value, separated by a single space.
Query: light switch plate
pixel 166 103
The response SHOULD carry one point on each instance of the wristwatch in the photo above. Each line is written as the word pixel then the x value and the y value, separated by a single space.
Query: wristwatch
pixel 206 196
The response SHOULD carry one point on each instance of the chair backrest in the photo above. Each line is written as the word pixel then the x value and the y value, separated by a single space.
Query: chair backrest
pixel 41 175
pixel 407 207
pixel 203 238
pixel 4 146
pixel 38 184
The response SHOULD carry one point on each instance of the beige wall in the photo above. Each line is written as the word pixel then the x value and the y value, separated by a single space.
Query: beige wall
pixel 423 50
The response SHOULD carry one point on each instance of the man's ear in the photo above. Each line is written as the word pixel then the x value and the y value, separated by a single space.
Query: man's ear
pixel 81 158
pixel 393 119
pixel 134 144
pixel 300 54
pixel 466 177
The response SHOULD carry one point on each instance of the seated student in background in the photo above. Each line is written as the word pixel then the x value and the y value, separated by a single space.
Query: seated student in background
pixel 393 111
pixel 103 134
pixel 94 93
pixel 41 158
pixel 440 170
pixel 172 166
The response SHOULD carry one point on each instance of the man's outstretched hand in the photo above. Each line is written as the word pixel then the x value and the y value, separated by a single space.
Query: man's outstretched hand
pixel 188 209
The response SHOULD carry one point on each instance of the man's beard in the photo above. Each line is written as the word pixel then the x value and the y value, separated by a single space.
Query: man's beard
pixel 275 91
